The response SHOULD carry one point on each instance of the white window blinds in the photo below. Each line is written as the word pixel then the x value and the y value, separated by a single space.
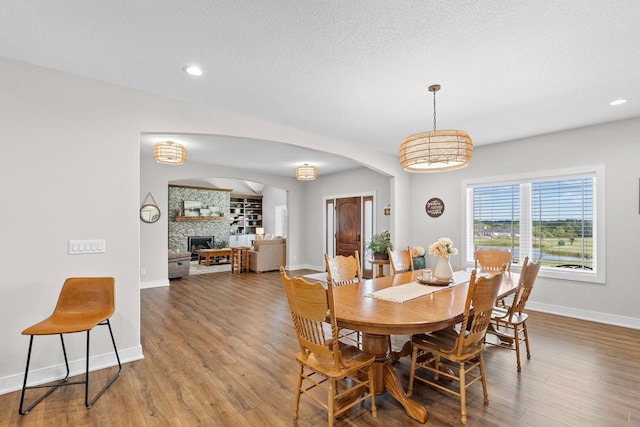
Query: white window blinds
pixel 553 218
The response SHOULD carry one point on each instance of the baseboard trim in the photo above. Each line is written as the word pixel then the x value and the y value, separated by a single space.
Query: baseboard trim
pixel 593 316
pixel 154 284
pixel 304 267
pixel 76 367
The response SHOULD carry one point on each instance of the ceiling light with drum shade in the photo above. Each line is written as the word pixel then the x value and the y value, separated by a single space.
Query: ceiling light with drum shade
pixel 306 172
pixel 437 150
pixel 169 152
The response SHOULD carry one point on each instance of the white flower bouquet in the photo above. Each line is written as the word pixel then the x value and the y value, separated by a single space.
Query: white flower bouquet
pixel 417 251
pixel 443 247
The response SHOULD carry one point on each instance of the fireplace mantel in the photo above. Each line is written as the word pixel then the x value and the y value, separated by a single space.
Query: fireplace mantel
pixel 200 218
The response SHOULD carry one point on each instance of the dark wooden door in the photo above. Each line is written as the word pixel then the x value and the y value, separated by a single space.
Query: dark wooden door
pixel 348 225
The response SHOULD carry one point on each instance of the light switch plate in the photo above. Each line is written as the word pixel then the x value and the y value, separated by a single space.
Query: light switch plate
pixel 77 247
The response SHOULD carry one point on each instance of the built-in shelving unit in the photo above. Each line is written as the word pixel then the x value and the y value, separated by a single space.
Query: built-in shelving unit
pixel 245 214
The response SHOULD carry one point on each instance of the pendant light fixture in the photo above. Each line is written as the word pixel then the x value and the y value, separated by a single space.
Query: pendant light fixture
pixel 437 150
pixel 170 153
pixel 306 172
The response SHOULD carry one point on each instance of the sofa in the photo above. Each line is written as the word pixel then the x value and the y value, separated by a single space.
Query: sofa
pixel 179 263
pixel 267 255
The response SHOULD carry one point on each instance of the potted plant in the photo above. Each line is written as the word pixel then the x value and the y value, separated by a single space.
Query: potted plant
pixel 378 245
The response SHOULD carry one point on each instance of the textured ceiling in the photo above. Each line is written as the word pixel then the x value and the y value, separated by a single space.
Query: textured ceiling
pixel 353 70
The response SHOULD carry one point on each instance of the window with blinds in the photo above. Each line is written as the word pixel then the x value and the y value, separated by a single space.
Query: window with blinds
pixel 553 218
pixel 562 215
pixel 496 218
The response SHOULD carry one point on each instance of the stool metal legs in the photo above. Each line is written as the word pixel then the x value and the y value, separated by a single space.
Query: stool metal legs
pixel 64 381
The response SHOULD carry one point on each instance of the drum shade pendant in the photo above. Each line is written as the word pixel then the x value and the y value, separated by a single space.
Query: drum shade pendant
pixel 306 172
pixel 170 153
pixel 437 150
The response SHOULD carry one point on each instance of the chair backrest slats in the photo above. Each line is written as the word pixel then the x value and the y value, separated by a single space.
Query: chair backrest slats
pixel 528 276
pixel 481 298
pixel 343 270
pixel 400 261
pixel 313 315
pixel 493 259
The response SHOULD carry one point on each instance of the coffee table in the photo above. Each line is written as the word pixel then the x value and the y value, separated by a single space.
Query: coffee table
pixel 207 254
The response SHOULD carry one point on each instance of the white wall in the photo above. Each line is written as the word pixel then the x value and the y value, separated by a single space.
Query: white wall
pixel 615 145
pixel 155 177
pixel 71 169
pixel 304 199
pixel 346 184
pixel 272 197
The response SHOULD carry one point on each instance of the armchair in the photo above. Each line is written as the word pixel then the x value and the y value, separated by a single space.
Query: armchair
pixel 267 255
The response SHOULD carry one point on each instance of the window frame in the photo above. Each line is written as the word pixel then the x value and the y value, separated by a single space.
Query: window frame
pixel 595 171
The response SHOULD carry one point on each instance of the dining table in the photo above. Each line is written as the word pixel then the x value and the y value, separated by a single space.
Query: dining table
pixel 378 308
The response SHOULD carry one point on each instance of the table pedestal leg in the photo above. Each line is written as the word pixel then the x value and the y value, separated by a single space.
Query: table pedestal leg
pixel 386 377
pixel 404 351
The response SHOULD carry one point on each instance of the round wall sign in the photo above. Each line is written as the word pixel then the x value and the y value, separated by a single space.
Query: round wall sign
pixel 434 207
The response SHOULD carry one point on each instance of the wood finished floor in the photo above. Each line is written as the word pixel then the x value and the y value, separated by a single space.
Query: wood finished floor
pixel 219 352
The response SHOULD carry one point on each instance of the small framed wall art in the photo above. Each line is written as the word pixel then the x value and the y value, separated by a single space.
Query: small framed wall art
pixel 434 207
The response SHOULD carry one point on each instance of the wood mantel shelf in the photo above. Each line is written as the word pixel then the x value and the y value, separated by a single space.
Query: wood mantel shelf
pixel 200 218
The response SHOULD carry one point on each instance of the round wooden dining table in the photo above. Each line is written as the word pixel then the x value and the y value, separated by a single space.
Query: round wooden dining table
pixel 377 319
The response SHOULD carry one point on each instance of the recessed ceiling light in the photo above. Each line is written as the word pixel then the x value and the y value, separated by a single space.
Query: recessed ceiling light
pixel 618 102
pixel 193 70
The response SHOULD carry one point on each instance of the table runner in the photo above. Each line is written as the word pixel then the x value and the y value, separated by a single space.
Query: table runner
pixel 413 290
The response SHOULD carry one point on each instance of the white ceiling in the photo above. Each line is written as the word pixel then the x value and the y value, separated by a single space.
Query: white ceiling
pixel 353 70
pixel 257 155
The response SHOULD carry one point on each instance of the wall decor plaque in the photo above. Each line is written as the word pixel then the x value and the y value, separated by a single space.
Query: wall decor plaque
pixel 434 207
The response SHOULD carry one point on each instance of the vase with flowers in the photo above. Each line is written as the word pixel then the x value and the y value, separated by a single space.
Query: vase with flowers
pixel 443 248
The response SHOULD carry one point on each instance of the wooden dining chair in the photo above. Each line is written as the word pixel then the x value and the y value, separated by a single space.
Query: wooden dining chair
pixel 83 303
pixel 344 270
pixel 401 261
pixel 492 259
pixel 454 353
pixel 488 260
pixel 341 370
pixel 509 324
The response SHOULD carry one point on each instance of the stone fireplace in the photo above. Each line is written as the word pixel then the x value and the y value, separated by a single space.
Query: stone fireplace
pixel 195 243
pixel 194 227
